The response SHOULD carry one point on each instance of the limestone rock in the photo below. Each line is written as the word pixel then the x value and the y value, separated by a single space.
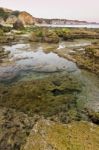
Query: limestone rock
pixel 26 18
pixel 11 19
pixel 1 21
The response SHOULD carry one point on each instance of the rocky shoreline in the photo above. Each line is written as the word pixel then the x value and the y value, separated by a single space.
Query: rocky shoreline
pixel 49 113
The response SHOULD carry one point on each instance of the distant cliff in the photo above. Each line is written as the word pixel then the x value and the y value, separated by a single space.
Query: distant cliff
pixel 60 21
pixel 8 16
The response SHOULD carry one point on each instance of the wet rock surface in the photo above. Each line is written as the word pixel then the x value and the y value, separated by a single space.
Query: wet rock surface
pixel 47 99
pixel 89 59
pixel 15 127
pixel 44 35
pixel 3 54
pixel 40 82
pixel 47 135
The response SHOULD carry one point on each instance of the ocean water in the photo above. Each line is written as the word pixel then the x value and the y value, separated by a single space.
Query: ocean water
pixel 73 26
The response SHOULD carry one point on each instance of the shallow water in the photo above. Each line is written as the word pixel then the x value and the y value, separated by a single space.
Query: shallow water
pixel 91 82
pixel 74 44
pixel 94 26
pixel 30 62
pixel 24 59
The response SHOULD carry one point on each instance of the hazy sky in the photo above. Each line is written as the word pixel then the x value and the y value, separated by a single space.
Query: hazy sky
pixel 70 9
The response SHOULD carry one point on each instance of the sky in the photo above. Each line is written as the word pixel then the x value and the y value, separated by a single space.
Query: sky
pixel 68 9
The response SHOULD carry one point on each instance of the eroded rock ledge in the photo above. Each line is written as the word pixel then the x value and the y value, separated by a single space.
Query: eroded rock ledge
pixel 47 135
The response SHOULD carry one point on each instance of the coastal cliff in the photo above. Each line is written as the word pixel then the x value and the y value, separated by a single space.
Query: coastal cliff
pixel 10 16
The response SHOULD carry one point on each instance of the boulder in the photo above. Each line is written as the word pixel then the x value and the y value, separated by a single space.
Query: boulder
pixel 50 37
pixel 18 25
pixel 34 38
pixel 44 36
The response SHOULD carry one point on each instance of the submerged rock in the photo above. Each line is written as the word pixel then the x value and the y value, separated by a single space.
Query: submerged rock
pixel 57 101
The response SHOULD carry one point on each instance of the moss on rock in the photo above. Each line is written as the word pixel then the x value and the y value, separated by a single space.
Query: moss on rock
pixel 54 96
pixel 89 59
pixel 47 135
pixel 44 35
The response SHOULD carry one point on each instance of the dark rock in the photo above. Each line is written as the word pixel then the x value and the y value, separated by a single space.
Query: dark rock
pixel 18 25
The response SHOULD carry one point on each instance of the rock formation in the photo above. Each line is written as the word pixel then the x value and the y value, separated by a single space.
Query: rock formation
pixel 18 25
pixel 47 135
pixel 26 18
pixel 10 16
pixel 11 19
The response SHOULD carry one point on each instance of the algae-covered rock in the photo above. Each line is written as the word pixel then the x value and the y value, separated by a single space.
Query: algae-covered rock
pixel 55 97
pixel 50 37
pixel 15 127
pixel 44 35
pixel 7 39
pixel 89 59
pixel 80 34
pixel 93 116
pixel 47 135
pixel 35 38
pixel 3 54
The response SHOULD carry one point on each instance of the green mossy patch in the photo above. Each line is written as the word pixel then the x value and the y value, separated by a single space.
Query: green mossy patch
pixel 75 136
pixel 56 96
pixel 90 59
pixel 44 35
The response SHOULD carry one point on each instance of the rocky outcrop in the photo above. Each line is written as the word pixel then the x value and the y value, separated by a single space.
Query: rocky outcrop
pixel 47 135
pixel 89 58
pixel 26 18
pixel 11 19
pixel 61 22
pixel 44 35
pixel 10 16
pixel 18 25
pixel 3 54
pixel 15 127
pixel 1 21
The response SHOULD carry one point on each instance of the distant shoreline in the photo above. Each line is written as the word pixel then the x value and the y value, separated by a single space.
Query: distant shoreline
pixel 70 26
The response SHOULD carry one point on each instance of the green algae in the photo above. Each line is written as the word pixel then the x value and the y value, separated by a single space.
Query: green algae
pixel 56 98
pixel 56 136
pixel 53 96
pixel 44 35
pixel 90 59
